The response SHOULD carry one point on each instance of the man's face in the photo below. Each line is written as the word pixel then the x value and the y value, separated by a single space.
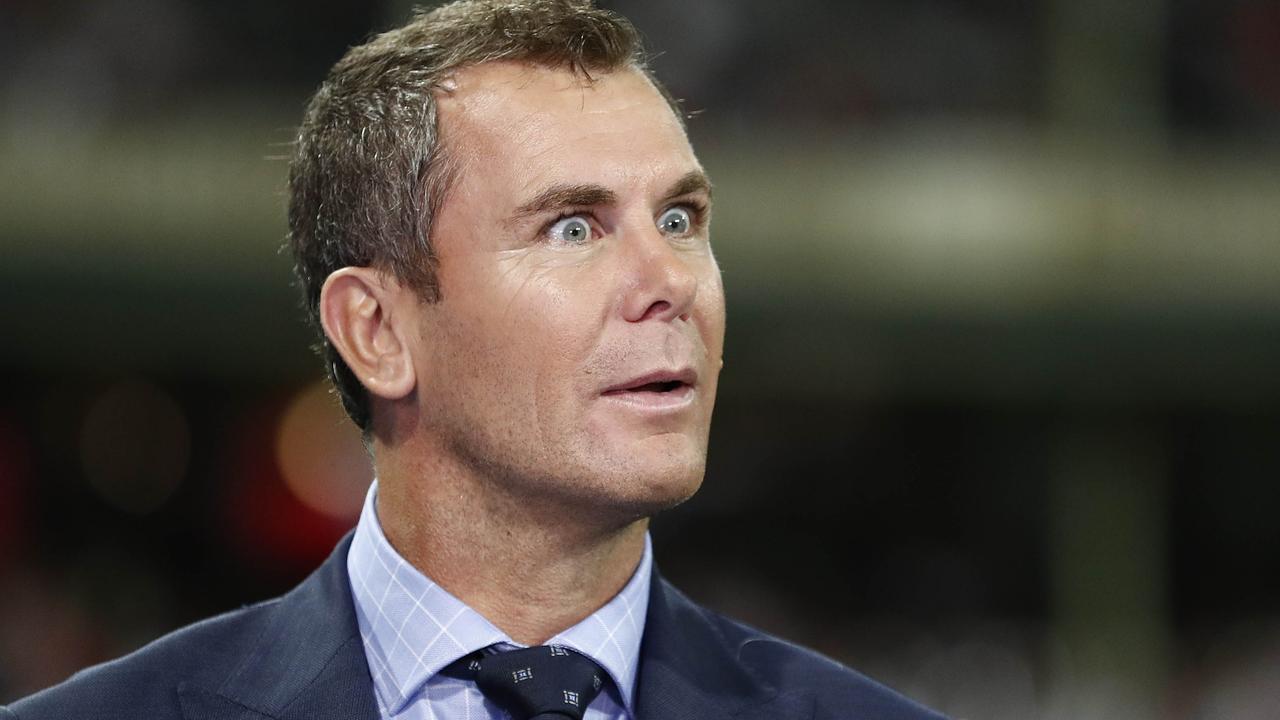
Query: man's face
pixel 574 354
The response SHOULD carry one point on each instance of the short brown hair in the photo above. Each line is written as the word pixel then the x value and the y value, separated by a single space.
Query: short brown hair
pixel 368 173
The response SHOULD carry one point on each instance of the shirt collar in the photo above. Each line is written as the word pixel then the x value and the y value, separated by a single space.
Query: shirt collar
pixel 412 628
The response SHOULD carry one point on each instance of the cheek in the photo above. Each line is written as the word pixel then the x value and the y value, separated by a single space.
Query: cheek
pixel 552 323
pixel 711 311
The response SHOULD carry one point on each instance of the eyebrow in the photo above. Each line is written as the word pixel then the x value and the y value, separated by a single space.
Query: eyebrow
pixel 586 195
pixel 558 196
pixel 694 181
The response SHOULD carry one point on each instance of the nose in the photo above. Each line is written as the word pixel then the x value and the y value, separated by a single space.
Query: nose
pixel 661 282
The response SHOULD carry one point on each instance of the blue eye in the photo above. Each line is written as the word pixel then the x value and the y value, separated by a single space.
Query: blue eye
pixel 675 221
pixel 572 230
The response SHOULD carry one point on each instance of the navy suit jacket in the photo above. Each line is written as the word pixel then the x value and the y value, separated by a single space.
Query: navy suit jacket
pixel 300 656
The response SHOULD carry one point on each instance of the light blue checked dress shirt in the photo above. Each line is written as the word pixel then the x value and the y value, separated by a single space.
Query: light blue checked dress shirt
pixel 413 628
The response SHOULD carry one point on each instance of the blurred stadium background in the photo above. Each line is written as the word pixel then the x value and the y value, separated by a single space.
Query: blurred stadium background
pixel 1000 422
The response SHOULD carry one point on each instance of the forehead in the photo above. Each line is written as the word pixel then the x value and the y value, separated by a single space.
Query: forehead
pixel 536 125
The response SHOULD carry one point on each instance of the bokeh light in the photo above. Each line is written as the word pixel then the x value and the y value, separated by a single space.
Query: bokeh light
pixel 275 533
pixel 134 446
pixel 320 454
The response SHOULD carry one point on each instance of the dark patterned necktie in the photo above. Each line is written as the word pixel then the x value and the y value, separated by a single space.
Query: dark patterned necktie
pixel 546 682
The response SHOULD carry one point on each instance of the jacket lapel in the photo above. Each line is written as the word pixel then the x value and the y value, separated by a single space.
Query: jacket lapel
pixel 687 669
pixel 309 663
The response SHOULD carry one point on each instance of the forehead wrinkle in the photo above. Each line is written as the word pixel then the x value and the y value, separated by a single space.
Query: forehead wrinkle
pixel 488 119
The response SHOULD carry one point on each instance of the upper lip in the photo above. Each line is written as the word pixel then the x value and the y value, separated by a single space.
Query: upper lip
pixel 686 375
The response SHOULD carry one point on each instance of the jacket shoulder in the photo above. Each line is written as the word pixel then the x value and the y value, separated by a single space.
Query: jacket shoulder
pixel 144 682
pixel 838 691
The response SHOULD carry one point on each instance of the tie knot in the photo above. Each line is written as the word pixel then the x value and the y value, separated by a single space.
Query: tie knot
pixel 542 682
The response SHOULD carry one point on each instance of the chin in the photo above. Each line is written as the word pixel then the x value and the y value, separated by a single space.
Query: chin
pixel 661 483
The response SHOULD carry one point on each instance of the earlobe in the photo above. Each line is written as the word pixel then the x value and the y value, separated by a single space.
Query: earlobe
pixel 360 310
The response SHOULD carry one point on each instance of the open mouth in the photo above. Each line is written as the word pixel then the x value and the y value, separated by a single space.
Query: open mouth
pixel 657 387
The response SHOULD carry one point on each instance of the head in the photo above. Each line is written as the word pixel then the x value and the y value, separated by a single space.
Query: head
pixel 369 172
pixel 501 230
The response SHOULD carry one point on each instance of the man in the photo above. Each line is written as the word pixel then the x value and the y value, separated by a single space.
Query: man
pixel 503 233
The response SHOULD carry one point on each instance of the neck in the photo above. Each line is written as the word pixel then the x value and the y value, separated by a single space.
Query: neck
pixel 532 571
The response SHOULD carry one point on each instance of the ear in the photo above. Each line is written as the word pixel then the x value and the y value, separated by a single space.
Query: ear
pixel 364 315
